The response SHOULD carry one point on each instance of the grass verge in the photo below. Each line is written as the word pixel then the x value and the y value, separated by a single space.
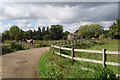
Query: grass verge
pixel 53 66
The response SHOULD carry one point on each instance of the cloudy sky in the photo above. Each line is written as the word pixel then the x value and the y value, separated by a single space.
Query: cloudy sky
pixel 31 15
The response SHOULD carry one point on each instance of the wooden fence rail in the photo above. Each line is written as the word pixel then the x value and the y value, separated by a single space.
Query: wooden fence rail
pixel 85 50
pixel 104 52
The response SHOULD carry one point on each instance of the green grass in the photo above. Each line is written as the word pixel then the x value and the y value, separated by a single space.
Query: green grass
pixel 97 56
pixel 110 45
pixel 53 66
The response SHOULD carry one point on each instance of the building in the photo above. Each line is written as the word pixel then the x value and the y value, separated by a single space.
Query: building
pixel 73 36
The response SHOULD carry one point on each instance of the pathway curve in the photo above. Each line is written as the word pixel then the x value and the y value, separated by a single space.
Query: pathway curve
pixel 22 64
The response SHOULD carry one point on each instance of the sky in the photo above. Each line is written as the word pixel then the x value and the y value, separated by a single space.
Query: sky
pixel 31 15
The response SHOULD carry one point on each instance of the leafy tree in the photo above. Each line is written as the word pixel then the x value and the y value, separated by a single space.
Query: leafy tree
pixel 28 34
pixel 102 37
pixel 105 32
pixel 47 37
pixel 1 37
pixel 114 30
pixel 43 31
pixel 34 32
pixel 65 35
pixel 39 33
pixel 13 31
pixel 76 31
pixel 19 36
pixel 89 31
pixel 56 32
pixel 47 31
pixel 5 35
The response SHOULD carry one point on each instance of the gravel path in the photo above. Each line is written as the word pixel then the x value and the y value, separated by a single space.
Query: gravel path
pixel 22 64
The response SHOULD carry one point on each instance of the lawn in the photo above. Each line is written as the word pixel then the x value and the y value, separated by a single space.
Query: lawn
pixel 110 45
pixel 53 66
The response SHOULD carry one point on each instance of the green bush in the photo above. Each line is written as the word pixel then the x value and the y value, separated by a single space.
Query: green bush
pixel 104 74
pixel 16 46
pixel 102 37
pixel 6 49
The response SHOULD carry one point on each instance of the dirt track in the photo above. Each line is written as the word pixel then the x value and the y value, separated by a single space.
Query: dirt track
pixel 21 64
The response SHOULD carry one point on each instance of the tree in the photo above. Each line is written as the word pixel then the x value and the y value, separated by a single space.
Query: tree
pixel 114 30
pixel 39 33
pixel 89 31
pixel 56 32
pixel 39 30
pixel 105 32
pixel 47 31
pixel 47 37
pixel 34 32
pixel 76 31
pixel 65 35
pixel 43 31
pixel 102 37
pixel 5 35
pixel 13 31
pixel 28 34
pixel 19 36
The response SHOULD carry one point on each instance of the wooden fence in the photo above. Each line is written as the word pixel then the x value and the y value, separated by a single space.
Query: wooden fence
pixel 104 52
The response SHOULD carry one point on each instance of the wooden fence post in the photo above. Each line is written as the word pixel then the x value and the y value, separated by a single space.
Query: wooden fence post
pixel 73 55
pixel 53 49
pixel 60 51
pixel 104 58
pixel 59 42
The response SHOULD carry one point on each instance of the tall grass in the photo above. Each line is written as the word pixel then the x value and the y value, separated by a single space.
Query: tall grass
pixel 54 66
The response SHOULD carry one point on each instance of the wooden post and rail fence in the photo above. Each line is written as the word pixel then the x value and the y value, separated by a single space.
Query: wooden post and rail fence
pixel 104 52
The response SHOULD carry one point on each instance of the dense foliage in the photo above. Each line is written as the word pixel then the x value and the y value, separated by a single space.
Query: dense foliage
pixel 5 36
pixel 19 36
pixel 54 33
pixel 104 74
pixel 47 37
pixel 89 31
pixel 13 47
pixel 65 34
pixel 95 30
pixel 16 46
pixel 6 49
pixel 114 31
pixel 13 31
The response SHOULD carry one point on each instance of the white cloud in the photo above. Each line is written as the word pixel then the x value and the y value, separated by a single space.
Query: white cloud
pixel 21 21
pixel 66 14
pixel 4 27
pixel 70 16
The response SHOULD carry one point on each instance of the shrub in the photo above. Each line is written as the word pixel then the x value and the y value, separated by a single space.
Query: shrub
pixel 47 37
pixel 19 36
pixel 104 74
pixel 6 49
pixel 16 46
pixel 102 37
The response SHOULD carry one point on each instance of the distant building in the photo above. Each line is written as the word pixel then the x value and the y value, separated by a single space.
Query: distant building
pixel 74 36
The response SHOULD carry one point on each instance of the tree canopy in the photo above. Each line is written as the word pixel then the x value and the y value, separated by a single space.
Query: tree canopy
pixel 89 31
pixel 56 32
pixel 13 31
pixel 114 29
